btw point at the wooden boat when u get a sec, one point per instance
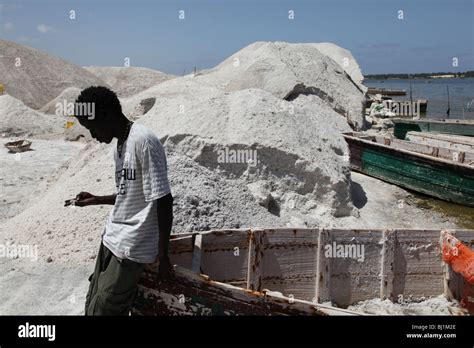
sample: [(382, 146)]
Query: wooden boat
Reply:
[(433, 170), (294, 271), (18, 146), (384, 91), (454, 142), (455, 127)]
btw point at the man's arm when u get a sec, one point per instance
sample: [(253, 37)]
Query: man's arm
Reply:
[(165, 221), (85, 198), (110, 199)]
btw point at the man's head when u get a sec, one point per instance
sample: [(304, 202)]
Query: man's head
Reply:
[(107, 119)]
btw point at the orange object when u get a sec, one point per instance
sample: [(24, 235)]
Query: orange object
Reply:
[(459, 256), (461, 259)]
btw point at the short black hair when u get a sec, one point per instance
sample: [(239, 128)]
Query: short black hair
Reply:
[(106, 103)]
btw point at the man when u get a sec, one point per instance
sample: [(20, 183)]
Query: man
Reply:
[(139, 225)]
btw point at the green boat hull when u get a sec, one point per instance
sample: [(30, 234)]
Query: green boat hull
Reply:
[(435, 178), (402, 127)]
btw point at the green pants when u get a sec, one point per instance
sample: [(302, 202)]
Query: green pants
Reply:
[(113, 285)]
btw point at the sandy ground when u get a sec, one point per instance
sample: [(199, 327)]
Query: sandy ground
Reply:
[(24, 176), (383, 205), (34, 288)]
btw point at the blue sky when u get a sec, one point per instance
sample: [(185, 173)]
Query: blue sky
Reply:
[(151, 34)]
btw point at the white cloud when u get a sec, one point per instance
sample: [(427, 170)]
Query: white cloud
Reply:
[(43, 28), (8, 26)]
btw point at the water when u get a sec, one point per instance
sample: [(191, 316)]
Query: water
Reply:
[(461, 94)]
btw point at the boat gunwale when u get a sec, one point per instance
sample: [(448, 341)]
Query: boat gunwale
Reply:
[(434, 120), (441, 161)]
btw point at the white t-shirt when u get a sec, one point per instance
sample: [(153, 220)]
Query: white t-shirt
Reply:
[(141, 178)]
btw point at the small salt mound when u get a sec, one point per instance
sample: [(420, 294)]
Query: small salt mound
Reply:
[(127, 81), (17, 119), (35, 77)]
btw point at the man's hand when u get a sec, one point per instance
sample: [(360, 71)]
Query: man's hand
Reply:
[(82, 199), (164, 269)]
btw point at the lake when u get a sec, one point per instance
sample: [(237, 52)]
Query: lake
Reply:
[(461, 94)]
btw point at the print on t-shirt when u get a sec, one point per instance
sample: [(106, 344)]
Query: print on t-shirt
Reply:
[(126, 173)]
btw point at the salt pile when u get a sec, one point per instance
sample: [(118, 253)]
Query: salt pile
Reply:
[(288, 70), (299, 167), (17, 119), (345, 59), (69, 95), (35, 77), (127, 81)]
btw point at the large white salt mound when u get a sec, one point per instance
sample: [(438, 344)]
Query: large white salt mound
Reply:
[(288, 70), (127, 81), (345, 59), (17, 119), (35, 77), (299, 143)]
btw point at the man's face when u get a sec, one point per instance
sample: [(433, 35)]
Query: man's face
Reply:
[(99, 131)]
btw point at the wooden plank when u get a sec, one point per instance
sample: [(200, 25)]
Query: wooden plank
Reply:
[(225, 256), (290, 259), (355, 265), (192, 294), (418, 268), (387, 273), (447, 153), (197, 252), (455, 127), (457, 143), (255, 260), (323, 268)]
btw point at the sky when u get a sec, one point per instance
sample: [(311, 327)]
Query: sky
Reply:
[(425, 37)]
